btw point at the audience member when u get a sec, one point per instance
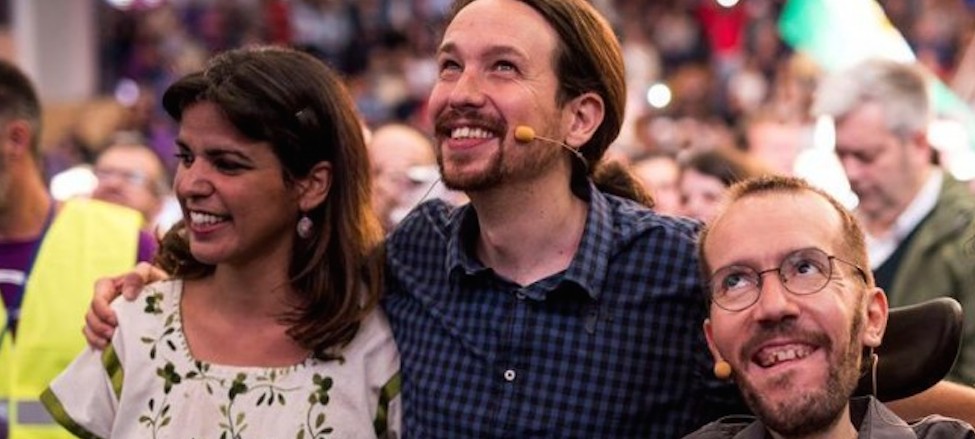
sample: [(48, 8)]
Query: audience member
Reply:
[(132, 174), (794, 341), (49, 255), (660, 175), (775, 140), (917, 218), (706, 175), (531, 311), (403, 168), (547, 306), (267, 326)]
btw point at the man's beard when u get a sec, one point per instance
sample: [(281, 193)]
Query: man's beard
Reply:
[(489, 177), (534, 160), (498, 170), (811, 410)]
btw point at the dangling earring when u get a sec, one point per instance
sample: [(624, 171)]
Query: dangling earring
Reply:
[(304, 226), (722, 370)]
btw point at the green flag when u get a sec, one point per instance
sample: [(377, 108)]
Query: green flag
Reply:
[(840, 33)]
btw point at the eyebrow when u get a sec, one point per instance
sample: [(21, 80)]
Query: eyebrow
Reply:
[(743, 263), (217, 151), (495, 51)]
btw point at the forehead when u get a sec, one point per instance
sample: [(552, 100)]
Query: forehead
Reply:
[(763, 227), (140, 157), (658, 165), (771, 134), (692, 178), (862, 128), (206, 119), (398, 142), (500, 25)]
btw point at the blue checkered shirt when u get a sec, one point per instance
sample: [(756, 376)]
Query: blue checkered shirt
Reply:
[(612, 347)]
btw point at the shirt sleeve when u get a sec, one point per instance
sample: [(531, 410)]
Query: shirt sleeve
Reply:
[(382, 358), (81, 399)]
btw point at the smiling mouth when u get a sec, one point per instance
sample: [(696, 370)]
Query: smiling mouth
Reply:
[(775, 355), (468, 132), (205, 219)]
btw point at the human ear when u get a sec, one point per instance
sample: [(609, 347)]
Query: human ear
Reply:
[(17, 138), (586, 113), (709, 336), (313, 189), (875, 317), (722, 369)]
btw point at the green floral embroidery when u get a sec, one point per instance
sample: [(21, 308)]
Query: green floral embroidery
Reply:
[(155, 421), (317, 401), (259, 391), (201, 373), (153, 300), (169, 326), (233, 425)]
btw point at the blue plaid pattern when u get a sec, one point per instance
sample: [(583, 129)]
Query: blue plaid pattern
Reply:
[(610, 348)]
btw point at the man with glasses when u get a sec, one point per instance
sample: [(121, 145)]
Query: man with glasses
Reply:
[(791, 313), (131, 174), (917, 218)]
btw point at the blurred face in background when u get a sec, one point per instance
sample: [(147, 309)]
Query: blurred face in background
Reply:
[(701, 194), (403, 167), (132, 176), (885, 170), (661, 176), (776, 144)]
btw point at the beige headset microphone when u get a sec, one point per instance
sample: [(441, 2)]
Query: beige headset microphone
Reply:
[(525, 134)]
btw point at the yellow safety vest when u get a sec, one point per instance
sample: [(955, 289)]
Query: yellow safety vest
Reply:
[(87, 240)]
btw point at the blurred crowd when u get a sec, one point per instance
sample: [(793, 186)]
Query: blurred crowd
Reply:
[(702, 74), (715, 97)]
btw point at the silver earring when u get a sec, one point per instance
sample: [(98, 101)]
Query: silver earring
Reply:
[(304, 226)]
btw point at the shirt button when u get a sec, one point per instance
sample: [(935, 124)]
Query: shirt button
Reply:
[(509, 375), (520, 295)]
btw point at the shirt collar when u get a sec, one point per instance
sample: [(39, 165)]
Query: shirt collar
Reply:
[(920, 206), (588, 266), (923, 203), (464, 229)]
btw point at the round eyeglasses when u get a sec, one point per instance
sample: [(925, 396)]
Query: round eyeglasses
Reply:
[(802, 272)]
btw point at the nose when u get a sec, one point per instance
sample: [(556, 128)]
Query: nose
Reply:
[(774, 301), (192, 181), (467, 90)]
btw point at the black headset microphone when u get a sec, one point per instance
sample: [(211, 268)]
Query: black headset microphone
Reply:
[(525, 134)]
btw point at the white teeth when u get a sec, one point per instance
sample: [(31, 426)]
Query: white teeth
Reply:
[(772, 356), (199, 218), (469, 133)]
